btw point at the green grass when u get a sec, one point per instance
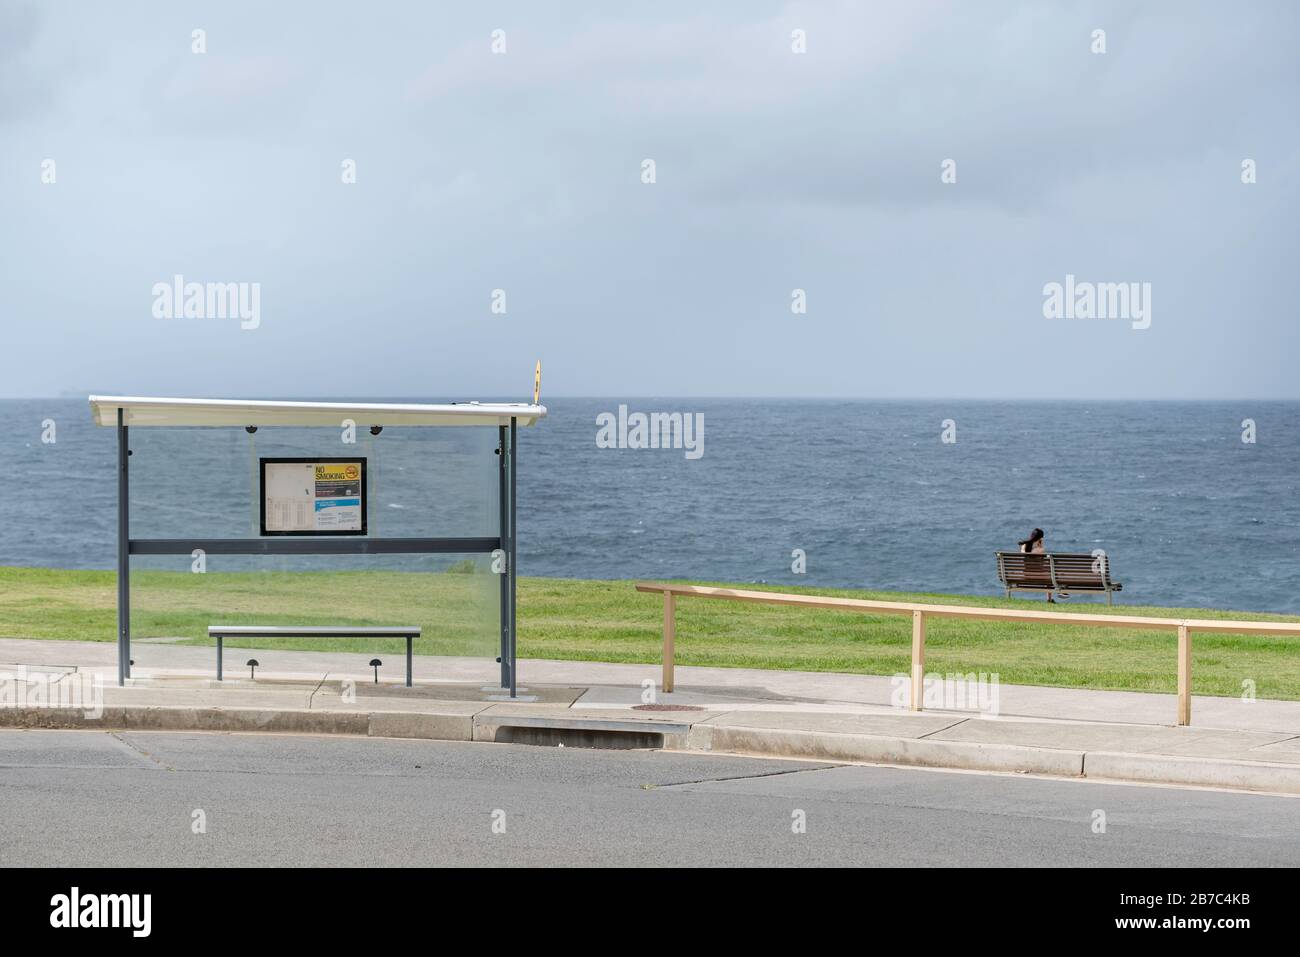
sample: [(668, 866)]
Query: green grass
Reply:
[(610, 621)]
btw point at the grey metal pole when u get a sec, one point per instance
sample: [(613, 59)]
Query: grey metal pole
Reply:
[(505, 584), (514, 529), (409, 639), (123, 555)]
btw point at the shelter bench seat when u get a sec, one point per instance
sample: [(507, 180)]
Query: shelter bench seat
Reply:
[(1056, 571), (221, 632)]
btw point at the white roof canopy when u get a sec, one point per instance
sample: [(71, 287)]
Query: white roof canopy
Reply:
[(138, 411)]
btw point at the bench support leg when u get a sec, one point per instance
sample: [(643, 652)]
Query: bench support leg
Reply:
[(218, 657), (670, 636), (1184, 676), (409, 638), (918, 660)]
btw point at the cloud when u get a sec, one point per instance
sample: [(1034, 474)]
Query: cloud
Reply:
[(209, 94), (24, 86), (776, 170), (883, 95)]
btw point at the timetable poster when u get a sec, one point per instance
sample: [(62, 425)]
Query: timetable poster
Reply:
[(314, 496)]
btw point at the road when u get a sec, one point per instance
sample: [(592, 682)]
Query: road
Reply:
[(71, 798)]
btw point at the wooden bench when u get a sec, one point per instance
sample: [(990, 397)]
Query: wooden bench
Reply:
[(221, 632), (1056, 571)]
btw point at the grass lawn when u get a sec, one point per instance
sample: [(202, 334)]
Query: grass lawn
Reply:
[(610, 621)]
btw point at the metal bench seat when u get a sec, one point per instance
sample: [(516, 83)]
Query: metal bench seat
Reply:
[(221, 632)]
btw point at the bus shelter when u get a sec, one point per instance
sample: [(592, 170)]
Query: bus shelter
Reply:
[(320, 503)]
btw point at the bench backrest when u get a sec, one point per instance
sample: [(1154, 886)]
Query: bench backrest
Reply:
[(1081, 571), (1054, 569), (1025, 568)]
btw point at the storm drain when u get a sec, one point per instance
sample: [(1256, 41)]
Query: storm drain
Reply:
[(608, 739)]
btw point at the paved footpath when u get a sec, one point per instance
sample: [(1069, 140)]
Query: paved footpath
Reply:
[(1100, 735)]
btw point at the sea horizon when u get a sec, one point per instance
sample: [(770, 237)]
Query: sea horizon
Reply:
[(870, 491), (633, 397)]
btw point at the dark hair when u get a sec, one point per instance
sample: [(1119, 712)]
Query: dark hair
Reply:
[(1034, 536)]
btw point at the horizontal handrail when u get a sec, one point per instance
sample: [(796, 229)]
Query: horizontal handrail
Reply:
[(920, 611), (976, 611)]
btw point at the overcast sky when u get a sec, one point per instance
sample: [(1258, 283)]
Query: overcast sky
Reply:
[(775, 171)]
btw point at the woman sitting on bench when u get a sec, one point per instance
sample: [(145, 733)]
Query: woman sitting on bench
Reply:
[(1033, 545)]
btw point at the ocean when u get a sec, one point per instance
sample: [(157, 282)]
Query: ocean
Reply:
[(869, 491)]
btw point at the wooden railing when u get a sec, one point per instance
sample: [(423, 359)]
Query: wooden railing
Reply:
[(921, 612)]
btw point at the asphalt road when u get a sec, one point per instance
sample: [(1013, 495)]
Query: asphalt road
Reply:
[(71, 798)]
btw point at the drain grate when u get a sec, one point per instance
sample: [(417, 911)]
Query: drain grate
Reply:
[(607, 739), (667, 707)]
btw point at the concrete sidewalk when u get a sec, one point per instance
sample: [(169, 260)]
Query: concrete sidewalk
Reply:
[(1064, 732)]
